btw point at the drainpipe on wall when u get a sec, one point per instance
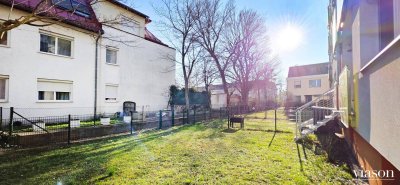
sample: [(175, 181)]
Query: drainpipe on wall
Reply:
[(95, 75)]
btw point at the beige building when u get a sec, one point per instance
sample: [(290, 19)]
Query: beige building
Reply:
[(305, 83)]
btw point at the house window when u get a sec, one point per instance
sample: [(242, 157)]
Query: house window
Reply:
[(3, 88), (54, 90), (111, 92), (386, 23), (55, 45), (297, 84), (4, 39), (315, 83), (77, 7), (111, 56)]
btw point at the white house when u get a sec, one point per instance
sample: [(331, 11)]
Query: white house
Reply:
[(51, 70)]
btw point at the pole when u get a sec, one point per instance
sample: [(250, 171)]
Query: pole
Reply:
[(194, 115), (275, 119), (131, 122), (160, 120), (69, 128), (10, 126), (1, 118), (188, 115), (173, 115)]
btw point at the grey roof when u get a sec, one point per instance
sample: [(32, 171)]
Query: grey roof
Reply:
[(307, 70)]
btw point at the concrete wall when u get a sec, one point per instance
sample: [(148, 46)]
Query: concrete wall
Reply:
[(384, 96), (305, 88)]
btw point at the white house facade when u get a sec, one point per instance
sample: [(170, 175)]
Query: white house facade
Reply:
[(58, 66)]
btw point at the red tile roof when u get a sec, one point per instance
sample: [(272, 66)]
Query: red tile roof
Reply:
[(88, 23), (307, 70), (150, 37)]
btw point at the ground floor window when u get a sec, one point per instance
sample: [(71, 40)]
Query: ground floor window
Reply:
[(3, 88), (54, 90), (111, 92)]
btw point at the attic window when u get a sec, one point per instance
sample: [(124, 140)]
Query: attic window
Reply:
[(75, 6)]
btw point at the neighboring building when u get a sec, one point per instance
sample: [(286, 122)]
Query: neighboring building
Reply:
[(364, 51), (261, 94), (305, 83), (44, 68)]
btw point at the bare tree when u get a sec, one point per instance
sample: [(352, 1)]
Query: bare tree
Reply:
[(178, 21), (210, 25), (250, 61)]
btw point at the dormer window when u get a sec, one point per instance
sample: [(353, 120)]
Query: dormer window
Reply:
[(77, 7)]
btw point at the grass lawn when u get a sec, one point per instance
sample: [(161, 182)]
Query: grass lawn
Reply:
[(190, 154)]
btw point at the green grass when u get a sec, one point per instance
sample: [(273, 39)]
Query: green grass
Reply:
[(192, 154)]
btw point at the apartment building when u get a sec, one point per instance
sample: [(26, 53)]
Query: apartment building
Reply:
[(82, 62), (364, 51), (307, 82)]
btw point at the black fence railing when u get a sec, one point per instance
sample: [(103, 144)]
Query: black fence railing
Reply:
[(28, 127)]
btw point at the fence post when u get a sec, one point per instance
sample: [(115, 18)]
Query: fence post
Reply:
[(275, 119), (173, 115), (131, 122), (188, 115), (194, 115), (183, 117), (160, 120), (10, 126), (1, 118), (220, 112), (69, 128)]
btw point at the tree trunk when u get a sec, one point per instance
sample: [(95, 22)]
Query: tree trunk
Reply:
[(245, 97), (187, 93)]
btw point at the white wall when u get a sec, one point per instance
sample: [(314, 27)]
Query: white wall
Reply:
[(24, 64), (144, 69), (143, 73)]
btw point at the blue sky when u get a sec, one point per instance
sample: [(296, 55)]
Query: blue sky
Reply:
[(307, 20)]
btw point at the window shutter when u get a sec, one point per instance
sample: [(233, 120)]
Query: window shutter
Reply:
[(111, 91), (57, 86)]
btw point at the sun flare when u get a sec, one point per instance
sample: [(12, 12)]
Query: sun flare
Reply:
[(289, 38)]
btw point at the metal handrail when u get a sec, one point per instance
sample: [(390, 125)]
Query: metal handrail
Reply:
[(315, 100)]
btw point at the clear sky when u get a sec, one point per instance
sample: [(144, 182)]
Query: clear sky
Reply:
[(297, 28)]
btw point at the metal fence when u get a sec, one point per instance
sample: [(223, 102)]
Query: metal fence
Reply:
[(35, 127), (27, 127)]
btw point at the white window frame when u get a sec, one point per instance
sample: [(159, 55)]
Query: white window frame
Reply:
[(57, 36), (116, 55), (295, 86), (315, 84), (55, 92), (7, 79), (105, 93)]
